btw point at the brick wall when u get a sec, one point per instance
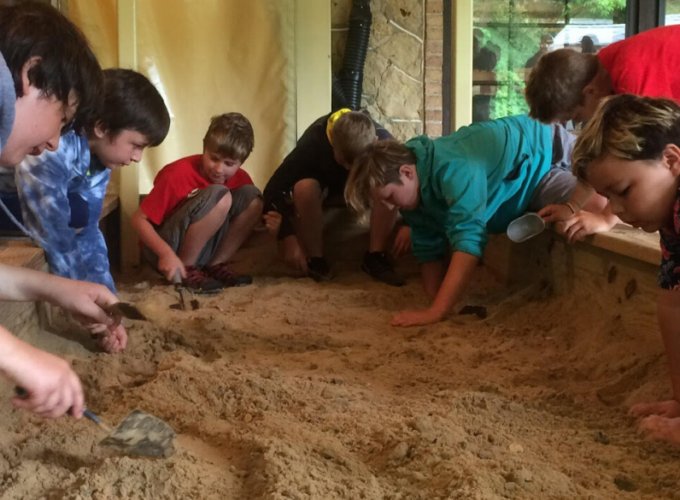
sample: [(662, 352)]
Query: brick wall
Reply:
[(434, 60)]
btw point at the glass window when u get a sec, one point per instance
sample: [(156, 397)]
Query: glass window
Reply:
[(672, 12), (511, 35)]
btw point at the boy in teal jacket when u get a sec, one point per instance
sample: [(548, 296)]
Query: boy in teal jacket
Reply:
[(454, 190)]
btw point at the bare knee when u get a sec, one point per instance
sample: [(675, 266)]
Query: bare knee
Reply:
[(306, 191), (224, 205)]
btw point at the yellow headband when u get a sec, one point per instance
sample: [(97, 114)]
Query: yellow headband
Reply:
[(331, 121)]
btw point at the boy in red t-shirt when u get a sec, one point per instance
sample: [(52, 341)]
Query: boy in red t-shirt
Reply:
[(568, 85), (202, 208)]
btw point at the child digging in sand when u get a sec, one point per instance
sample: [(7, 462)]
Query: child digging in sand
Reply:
[(454, 190), (202, 208), (630, 153)]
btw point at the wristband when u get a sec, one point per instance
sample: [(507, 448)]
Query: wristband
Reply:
[(571, 206)]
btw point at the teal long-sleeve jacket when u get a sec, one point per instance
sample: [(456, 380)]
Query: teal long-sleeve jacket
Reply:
[(474, 182)]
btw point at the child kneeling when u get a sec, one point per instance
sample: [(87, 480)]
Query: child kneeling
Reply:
[(630, 153), (202, 208), (458, 188)]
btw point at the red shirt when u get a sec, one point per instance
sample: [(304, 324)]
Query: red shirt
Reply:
[(176, 181), (647, 64)]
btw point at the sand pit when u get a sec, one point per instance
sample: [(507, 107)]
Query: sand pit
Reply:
[(289, 389)]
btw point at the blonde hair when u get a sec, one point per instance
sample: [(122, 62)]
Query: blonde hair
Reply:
[(231, 136), (351, 134), (556, 83), (627, 127), (378, 166)]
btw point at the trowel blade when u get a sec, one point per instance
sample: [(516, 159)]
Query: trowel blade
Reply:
[(142, 435)]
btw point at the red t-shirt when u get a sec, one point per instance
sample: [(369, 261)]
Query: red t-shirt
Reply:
[(176, 181), (647, 64)]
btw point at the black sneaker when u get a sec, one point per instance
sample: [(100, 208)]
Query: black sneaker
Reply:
[(318, 269), (379, 267)]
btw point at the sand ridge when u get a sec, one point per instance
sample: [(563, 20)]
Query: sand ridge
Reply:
[(289, 389)]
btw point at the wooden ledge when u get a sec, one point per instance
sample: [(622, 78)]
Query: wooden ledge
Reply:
[(111, 202), (628, 241), (22, 254)]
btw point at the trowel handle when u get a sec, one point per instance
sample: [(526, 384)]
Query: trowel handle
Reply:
[(177, 278), (87, 413)]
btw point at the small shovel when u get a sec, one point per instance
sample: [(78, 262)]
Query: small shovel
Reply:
[(179, 288), (121, 310), (139, 434)]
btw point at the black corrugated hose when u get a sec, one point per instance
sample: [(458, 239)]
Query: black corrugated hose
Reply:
[(352, 74)]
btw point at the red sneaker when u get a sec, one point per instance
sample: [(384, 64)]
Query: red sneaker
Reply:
[(199, 282), (228, 278)]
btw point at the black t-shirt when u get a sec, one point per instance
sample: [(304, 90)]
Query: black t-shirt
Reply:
[(312, 158)]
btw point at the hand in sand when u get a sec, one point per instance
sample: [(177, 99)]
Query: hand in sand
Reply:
[(52, 386), (402, 243), (272, 221), (668, 409), (112, 339), (169, 264), (293, 254), (661, 428), (415, 318)]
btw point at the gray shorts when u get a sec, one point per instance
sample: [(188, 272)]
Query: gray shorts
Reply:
[(558, 185), (174, 228)]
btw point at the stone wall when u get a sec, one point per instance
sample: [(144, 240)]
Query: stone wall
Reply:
[(393, 89)]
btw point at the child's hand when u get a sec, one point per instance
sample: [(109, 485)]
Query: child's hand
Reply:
[(293, 254), (84, 300), (582, 224), (113, 339), (415, 318), (116, 340), (272, 221), (169, 264), (556, 213), (402, 243), (52, 386)]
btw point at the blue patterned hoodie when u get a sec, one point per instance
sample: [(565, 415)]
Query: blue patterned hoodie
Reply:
[(44, 183)]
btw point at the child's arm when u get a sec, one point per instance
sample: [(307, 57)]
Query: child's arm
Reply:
[(52, 386), (433, 274), (168, 262), (85, 300), (668, 311), (457, 279), (557, 213)]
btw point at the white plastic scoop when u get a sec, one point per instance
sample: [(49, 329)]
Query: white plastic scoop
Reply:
[(525, 227)]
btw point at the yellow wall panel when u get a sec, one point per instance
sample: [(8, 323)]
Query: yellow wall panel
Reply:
[(97, 19), (209, 57)]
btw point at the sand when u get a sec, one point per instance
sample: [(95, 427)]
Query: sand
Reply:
[(289, 389)]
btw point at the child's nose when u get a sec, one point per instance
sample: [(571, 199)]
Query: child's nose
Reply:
[(388, 205)]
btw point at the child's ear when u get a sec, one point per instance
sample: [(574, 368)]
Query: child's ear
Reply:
[(99, 130), (671, 158), (25, 82), (407, 171)]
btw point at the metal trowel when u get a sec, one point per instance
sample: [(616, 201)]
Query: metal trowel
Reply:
[(121, 310), (139, 434)]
